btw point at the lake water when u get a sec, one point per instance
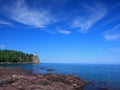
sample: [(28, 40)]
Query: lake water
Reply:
[(101, 75)]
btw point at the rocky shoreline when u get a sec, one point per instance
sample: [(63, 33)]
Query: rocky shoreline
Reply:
[(21, 79)]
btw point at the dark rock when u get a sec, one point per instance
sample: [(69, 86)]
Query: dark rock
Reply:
[(92, 84), (50, 69), (104, 88), (42, 68)]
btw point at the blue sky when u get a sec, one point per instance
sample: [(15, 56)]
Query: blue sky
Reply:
[(62, 31)]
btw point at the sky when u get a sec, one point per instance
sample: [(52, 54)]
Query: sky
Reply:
[(62, 31)]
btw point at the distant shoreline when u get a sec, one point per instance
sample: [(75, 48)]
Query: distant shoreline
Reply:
[(16, 63), (13, 57)]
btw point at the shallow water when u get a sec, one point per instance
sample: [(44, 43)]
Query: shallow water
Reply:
[(101, 75)]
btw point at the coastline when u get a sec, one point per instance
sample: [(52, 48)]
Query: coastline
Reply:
[(17, 79), (100, 80), (16, 63)]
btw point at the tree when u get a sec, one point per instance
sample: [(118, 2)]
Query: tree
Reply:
[(13, 56)]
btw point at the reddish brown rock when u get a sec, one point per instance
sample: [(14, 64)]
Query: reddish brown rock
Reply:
[(20, 79)]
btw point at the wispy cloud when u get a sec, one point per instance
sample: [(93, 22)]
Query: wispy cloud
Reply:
[(115, 17), (5, 23), (21, 13), (110, 21), (85, 22), (84, 16), (2, 46), (113, 34), (64, 31)]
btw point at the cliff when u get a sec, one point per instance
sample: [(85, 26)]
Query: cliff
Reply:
[(35, 59)]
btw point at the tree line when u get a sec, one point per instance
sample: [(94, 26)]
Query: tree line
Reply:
[(12, 56)]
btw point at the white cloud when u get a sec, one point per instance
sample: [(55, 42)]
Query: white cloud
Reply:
[(2, 46), (42, 16), (5, 23), (113, 34), (64, 31), (85, 22), (21, 13)]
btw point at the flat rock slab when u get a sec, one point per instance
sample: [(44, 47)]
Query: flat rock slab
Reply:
[(21, 79)]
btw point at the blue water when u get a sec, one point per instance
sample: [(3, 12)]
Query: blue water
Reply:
[(101, 75)]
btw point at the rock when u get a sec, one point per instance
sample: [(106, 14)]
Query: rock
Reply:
[(14, 79), (35, 59), (104, 88), (39, 75), (50, 69), (70, 80), (42, 67)]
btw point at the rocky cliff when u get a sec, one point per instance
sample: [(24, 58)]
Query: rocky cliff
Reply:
[(35, 59)]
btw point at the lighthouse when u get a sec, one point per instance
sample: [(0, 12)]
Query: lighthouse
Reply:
[(36, 58)]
